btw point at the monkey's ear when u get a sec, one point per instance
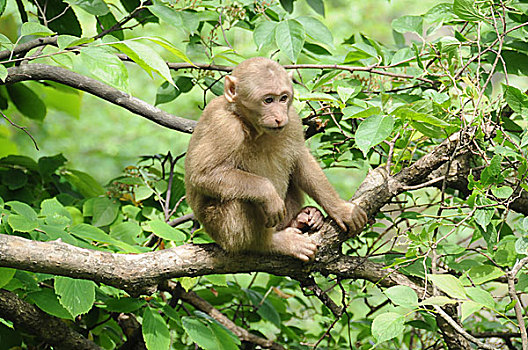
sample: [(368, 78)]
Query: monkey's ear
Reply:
[(230, 88)]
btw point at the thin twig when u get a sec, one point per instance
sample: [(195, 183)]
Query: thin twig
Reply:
[(461, 330), (517, 307), (23, 128)]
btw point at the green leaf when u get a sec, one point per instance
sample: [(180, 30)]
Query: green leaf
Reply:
[(359, 112), (180, 19), (48, 165), (316, 30), (84, 183), (264, 308), (287, 5), (226, 339), (34, 28), (317, 6), (264, 34), (26, 101), (449, 44), (481, 296), (77, 296), (47, 301), (217, 280), (3, 73), (146, 58), (14, 179), (449, 285), (126, 232), (23, 209), (465, 10), (521, 245), (105, 211), (387, 326), (406, 24), (502, 192), (493, 173), (155, 330), (65, 41), (21, 224), (408, 113), (199, 333), (438, 300), (91, 233), (55, 213), (124, 304), (373, 131), (93, 7), (516, 99), (402, 295), (163, 230), (3, 4), (289, 37), (105, 66), (171, 48), (468, 308), (484, 273), (483, 217), (6, 274)]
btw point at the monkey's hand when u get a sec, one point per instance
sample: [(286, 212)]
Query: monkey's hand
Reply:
[(350, 217), (275, 210)]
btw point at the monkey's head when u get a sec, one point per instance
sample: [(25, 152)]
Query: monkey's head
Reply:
[(261, 91)]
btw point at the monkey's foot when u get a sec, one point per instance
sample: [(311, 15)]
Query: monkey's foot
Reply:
[(308, 219), (292, 242)]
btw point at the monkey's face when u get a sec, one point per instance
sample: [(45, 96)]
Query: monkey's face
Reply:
[(266, 104), (262, 92), (273, 111)]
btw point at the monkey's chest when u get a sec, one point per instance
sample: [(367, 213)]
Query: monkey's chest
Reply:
[(275, 167)]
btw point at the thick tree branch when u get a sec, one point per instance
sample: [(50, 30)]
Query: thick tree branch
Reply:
[(34, 321), (99, 89), (27, 46)]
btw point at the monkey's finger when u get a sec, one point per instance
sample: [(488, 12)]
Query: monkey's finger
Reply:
[(302, 257), (341, 224), (361, 213)]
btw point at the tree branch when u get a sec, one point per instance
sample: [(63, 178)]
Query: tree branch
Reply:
[(25, 47), (48, 328), (99, 89), (192, 298)]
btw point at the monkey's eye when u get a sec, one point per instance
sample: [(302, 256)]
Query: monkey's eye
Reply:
[(268, 100), (284, 98)]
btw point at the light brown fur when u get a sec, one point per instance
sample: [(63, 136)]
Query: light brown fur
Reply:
[(247, 168)]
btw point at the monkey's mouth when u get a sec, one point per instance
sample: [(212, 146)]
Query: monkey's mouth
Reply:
[(275, 128)]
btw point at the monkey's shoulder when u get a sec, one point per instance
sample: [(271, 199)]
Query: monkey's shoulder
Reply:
[(218, 128)]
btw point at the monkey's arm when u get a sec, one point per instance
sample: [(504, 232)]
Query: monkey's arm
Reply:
[(311, 179), (230, 183)]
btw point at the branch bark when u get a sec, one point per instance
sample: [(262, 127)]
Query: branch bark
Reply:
[(99, 89)]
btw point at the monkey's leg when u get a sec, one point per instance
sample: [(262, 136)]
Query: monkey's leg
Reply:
[(292, 242), (236, 225), (309, 219)]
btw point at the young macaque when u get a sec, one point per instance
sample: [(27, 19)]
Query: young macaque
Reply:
[(247, 167)]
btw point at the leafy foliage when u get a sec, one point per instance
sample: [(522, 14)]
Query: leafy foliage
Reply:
[(463, 231)]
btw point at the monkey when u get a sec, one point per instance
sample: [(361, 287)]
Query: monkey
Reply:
[(247, 168)]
